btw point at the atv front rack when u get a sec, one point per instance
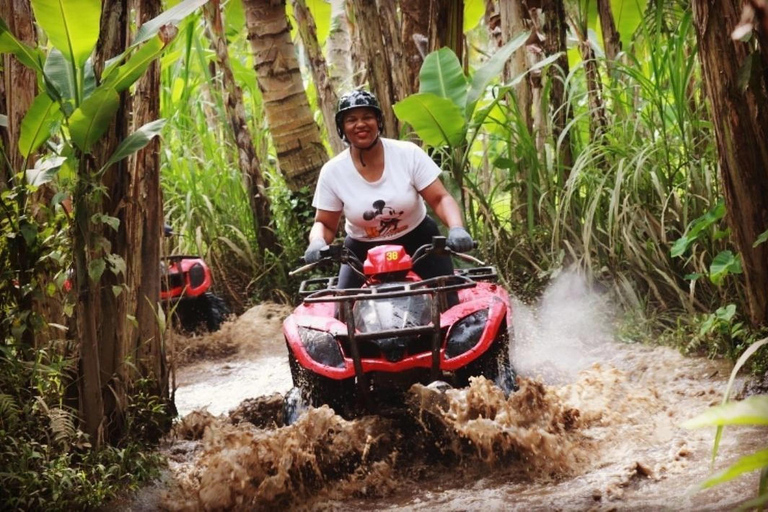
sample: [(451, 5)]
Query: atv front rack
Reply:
[(439, 286)]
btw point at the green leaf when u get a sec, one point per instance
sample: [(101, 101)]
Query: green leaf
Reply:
[(96, 269), (60, 75), (27, 55), (492, 69), (29, 232), (750, 411), (726, 313), (746, 464), (172, 16), (89, 122), (39, 122), (72, 26), (135, 141), (442, 75), (437, 121), (234, 18), (321, 13), (725, 263), (116, 263), (761, 239), (680, 246), (124, 76), (3, 121), (473, 13), (628, 15), (726, 396), (44, 171)]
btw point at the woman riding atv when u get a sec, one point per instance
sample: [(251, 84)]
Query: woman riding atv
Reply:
[(380, 185)]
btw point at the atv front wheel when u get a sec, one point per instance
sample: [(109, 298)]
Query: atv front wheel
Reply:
[(494, 364), (317, 390)]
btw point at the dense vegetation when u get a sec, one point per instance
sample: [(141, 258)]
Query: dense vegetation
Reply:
[(628, 192)]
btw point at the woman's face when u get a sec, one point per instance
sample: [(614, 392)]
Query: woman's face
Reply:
[(361, 126)]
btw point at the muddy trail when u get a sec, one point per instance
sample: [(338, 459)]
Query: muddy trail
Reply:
[(595, 425)]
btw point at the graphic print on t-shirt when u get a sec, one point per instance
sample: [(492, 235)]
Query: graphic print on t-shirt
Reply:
[(389, 220)]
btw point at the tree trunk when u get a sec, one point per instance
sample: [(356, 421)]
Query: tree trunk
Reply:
[(144, 228), (446, 26), (740, 118), (300, 151), (513, 23), (390, 31), (326, 95), (339, 44), (255, 184), (101, 314), (414, 28), (19, 82), (554, 29), (594, 90), (493, 22), (611, 37), (357, 52), (379, 71)]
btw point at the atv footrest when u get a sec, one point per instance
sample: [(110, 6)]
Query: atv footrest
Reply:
[(310, 286), (479, 273)]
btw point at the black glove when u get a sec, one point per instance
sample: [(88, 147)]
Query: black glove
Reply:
[(312, 254), (459, 240)]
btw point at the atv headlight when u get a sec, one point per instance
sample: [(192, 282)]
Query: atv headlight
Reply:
[(466, 333), (322, 347)]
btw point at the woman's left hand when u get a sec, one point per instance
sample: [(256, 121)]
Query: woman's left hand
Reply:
[(459, 240)]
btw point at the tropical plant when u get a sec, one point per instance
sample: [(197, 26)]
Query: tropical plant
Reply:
[(750, 411)]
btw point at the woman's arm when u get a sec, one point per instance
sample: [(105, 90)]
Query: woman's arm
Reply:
[(443, 204), (325, 226)]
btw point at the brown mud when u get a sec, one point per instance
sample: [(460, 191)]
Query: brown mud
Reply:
[(595, 425)]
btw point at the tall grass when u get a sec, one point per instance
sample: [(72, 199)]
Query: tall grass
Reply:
[(205, 196), (632, 191)]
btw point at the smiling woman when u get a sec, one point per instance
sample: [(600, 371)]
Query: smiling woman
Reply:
[(381, 186)]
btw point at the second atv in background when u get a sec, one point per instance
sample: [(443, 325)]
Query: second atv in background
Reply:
[(186, 282)]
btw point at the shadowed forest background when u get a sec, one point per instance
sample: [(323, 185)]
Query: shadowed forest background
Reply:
[(624, 139)]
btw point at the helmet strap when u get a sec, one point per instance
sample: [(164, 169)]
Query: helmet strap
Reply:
[(362, 150)]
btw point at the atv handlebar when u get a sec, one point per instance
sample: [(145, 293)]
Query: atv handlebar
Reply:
[(338, 253)]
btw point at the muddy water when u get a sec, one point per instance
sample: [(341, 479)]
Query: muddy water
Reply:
[(594, 426)]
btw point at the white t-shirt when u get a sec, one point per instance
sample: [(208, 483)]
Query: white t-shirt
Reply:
[(384, 209)]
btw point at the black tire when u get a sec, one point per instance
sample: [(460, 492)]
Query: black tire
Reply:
[(494, 365), (207, 309), (216, 311), (317, 390)]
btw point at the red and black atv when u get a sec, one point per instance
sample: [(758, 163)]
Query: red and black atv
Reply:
[(362, 348), (186, 282)]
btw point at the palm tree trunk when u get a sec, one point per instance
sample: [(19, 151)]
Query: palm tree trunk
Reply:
[(255, 184), (296, 137), (339, 45), (326, 95), (740, 119)]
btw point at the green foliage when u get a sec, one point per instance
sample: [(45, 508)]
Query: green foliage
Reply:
[(46, 460), (751, 411)]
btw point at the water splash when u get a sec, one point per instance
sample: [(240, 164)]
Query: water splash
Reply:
[(566, 332)]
